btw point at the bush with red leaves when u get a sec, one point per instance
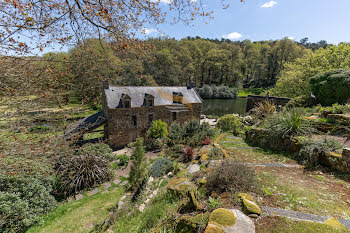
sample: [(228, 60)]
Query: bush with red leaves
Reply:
[(189, 154), (206, 141)]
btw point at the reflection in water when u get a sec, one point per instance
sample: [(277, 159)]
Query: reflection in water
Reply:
[(220, 107)]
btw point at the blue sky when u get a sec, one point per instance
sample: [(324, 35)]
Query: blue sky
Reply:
[(264, 20), (260, 20)]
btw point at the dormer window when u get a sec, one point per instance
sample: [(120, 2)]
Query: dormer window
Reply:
[(177, 97), (126, 101), (126, 104), (149, 100)]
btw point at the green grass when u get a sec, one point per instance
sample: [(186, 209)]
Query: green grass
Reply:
[(79, 216), (159, 208), (291, 193), (285, 225), (244, 92)]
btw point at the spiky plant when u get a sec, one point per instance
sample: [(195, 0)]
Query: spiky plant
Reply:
[(78, 172), (287, 124), (264, 109)]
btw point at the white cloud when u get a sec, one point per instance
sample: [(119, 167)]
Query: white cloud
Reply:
[(232, 36), (269, 4), (148, 31), (290, 37)]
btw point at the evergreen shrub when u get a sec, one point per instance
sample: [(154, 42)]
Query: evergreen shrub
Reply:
[(161, 167)]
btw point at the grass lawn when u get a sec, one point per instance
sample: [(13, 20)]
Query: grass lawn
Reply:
[(158, 209), (81, 215), (244, 92), (294, 188)]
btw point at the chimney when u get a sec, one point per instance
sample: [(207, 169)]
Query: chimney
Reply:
[(191, 84)]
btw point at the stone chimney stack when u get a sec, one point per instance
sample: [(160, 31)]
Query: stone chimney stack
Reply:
[(191, 84)]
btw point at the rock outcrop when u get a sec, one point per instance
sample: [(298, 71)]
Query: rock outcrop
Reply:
[(229, 221)]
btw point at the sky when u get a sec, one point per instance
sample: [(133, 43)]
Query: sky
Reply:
[(257, 20), (266, 20)]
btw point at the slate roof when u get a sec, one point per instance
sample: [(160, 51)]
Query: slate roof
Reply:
[(86, 124), (162, 95)]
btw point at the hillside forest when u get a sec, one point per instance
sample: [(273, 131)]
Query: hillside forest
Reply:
[(283, 66)]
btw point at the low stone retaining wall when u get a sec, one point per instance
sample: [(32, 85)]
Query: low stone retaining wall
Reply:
[(253, 100), (339, 162), (257, 137)]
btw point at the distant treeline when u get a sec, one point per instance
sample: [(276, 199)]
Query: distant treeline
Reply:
[(156, 61)]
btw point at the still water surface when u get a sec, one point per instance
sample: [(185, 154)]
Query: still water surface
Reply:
[(220, 107)]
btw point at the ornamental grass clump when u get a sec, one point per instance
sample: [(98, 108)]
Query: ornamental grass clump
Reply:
[(287, 124), (231, 177), (78, 172), (265, 109)]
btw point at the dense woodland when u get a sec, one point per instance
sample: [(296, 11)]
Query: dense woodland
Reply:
[(164, 61)]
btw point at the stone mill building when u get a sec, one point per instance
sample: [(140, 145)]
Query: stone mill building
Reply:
[(131, 110)]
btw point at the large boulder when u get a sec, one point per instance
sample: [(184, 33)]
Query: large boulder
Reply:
[(193, 168), (229, 221)]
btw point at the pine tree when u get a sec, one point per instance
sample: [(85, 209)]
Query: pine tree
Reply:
[(138, 169)]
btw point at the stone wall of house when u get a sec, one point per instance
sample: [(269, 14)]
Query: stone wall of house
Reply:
[(253, 100), (120, 130), (339, 162)]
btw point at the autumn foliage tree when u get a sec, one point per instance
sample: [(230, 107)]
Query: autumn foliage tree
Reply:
[(28, 24)]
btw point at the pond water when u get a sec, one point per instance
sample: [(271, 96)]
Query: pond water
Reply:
[(220, 107)]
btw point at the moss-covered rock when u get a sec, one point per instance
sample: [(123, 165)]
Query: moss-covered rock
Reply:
[(204, 157), (222, 217), (250, 207), (187, 191), (229, 221), (203, 180), (194, 201), (245, 196), (211, 228), (335, 223), (334, 155), (191, 224)]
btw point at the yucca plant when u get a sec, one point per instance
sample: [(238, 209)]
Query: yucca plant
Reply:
[(287, 124), (78, 172)]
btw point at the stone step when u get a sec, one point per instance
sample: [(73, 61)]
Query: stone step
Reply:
[(274, 165), (270, 211)]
